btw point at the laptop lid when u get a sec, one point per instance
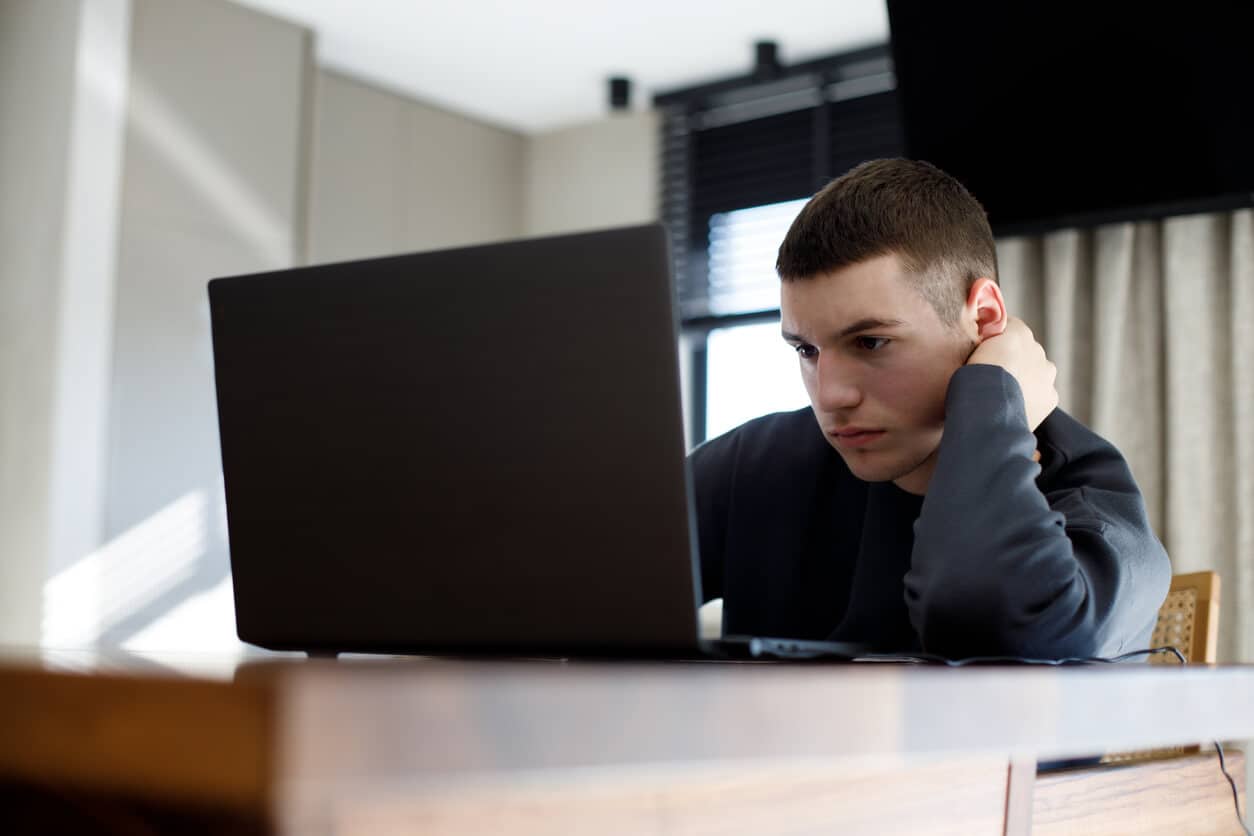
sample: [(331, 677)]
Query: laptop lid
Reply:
[(477, 449)]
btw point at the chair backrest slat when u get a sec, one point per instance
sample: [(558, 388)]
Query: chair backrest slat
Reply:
[(1189, 619)]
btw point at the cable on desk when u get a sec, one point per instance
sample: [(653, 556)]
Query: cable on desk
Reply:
[(1019, 660), (1236, 796)]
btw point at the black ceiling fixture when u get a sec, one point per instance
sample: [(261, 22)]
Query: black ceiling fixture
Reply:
[(620, 93), (766, 60)]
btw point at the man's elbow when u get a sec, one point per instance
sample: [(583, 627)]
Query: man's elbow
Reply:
[(966, 640), (1057, 627)]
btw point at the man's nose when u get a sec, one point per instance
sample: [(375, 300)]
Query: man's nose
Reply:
[(838, 387)]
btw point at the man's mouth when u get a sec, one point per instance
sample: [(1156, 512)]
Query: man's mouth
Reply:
[(854, 436)]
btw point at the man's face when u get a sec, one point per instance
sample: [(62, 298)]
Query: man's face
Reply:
[(876, 360)]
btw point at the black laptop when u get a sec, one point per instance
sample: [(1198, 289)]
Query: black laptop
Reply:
[(472, 451)]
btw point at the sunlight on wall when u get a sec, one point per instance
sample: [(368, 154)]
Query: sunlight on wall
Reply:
[(85, 600), (265, 230), (195, 625)]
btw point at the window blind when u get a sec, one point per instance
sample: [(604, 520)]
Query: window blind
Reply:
[(763, 145)]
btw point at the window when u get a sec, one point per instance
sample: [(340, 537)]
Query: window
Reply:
[(742, 249), (739, 159), (750, 371)]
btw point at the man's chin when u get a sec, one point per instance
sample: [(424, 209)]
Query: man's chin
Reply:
[(881, 471), (875, 471)]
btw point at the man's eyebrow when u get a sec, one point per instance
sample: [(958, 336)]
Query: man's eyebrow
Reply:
[(868, 324)]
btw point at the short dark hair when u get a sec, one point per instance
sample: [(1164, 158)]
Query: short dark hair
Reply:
[(907, 207)]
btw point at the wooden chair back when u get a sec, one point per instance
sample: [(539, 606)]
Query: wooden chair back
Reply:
[(1189, 619)]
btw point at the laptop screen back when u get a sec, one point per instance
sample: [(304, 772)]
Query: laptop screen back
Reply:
[(469, 450)]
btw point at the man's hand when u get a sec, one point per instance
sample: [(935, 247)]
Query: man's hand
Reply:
[(1018, 352)]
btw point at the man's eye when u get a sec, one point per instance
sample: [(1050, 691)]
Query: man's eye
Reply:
[(808, 352), (871, 343)]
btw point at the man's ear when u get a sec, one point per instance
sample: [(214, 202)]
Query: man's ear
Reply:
[(984, 314)]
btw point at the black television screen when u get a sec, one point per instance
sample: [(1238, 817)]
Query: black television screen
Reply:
[(1057, 114)]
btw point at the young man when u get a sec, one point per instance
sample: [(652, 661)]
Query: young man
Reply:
[(932, 498)]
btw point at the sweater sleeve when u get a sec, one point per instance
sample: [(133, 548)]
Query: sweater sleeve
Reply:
[(998, 568)]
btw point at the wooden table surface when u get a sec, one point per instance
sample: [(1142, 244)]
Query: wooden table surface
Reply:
[(287, 734)]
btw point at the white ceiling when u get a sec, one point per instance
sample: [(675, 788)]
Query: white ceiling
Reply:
[(533, 65)]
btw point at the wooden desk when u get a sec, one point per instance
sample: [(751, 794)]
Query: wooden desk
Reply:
[(414, 746)]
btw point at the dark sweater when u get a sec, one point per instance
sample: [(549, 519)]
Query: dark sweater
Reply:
[(1002, 557)]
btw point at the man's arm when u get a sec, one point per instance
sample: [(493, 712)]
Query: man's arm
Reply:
[(997, 569)]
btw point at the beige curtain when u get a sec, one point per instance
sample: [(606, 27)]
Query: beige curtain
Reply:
[(1152, 328)]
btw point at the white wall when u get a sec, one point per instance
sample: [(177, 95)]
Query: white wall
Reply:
[(89, 259), (147, 146), (391, 175), (38, 46), (213, 184), (600, 174)]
